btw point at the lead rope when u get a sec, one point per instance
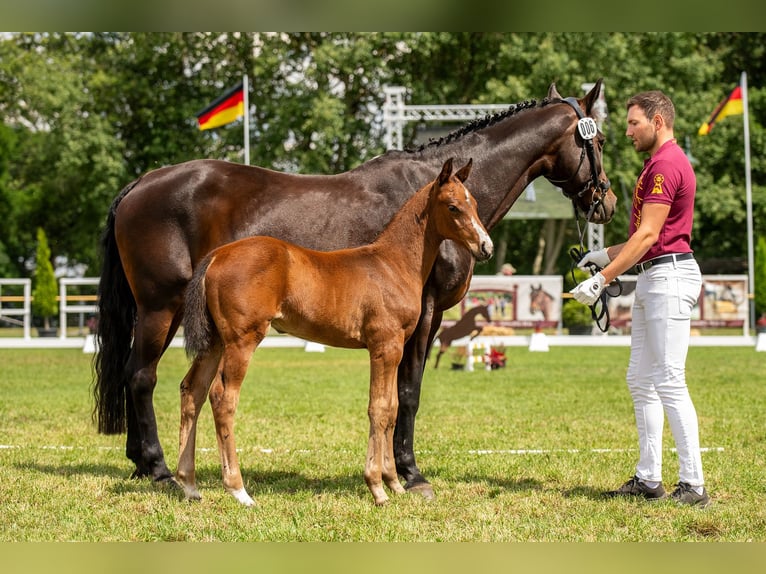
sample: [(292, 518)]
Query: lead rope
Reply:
[(600, 309)]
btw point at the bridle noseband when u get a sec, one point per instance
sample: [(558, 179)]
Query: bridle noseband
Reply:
[(586, 127)]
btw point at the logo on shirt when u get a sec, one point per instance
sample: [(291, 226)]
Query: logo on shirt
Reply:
[(658, 181)]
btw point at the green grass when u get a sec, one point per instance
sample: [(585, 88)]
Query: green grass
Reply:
[(302, 433)]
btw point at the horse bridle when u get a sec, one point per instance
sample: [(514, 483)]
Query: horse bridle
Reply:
[(587, 128)]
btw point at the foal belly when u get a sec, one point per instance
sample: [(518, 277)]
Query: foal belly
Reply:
[(327, 333)]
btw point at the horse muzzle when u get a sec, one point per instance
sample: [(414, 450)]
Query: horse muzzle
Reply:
[(485, 250), (605, 209)]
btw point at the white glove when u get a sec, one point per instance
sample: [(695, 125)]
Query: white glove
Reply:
[(589, 290), (599, 258)]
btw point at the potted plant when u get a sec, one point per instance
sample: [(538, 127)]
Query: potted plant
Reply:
[(44, 303), (575, 316), (760, 285)]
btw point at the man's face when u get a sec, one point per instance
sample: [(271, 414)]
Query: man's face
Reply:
[(641, 130)]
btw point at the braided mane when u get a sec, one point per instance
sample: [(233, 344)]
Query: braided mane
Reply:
[(481, 123)]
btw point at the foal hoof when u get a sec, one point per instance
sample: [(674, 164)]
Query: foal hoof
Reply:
[(424, 489), (170, 486)]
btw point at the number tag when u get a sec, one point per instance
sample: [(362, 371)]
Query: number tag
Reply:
[(587, 128)]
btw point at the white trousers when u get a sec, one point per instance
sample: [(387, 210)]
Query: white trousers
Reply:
[(661, 324)]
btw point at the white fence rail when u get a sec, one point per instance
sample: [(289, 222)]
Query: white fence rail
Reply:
[(76, 303), (12, 309)]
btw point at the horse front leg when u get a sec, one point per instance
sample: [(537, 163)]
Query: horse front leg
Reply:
[(380, 467), (410, 378)]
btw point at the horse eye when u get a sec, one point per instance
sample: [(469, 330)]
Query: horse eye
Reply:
[(453, 209)]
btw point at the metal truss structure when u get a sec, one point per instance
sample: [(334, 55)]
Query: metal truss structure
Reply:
[(396, 114)]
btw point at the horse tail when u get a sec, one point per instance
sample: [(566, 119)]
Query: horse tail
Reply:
[(114, 331), (198, 324)]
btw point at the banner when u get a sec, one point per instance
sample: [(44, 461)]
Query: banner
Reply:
[(515, 301)]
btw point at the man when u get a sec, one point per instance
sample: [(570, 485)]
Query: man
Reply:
[(667, 287)]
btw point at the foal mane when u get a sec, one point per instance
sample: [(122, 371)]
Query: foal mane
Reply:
[(482, 123)]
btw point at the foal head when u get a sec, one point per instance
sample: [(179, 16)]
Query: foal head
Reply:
[(454, 211)]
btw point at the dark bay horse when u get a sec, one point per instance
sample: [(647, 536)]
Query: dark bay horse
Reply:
[(464, 327), (163, 224), (365, 297)]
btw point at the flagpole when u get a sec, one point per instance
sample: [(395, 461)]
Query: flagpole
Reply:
[(749, 205), (247, 118)]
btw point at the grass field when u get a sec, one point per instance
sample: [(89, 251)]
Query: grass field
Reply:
[(519, 454)]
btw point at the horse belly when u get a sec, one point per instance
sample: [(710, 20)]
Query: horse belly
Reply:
[(327, 333)]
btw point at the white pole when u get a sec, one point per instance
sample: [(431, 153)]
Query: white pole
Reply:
[(246, 90), (749, 205)]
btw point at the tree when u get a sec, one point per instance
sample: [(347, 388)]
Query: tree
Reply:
[(44, 290), (760, 277), (84, 114)]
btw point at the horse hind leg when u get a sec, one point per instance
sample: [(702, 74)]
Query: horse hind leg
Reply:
[(442, 349), (153, 334), (223, 400), (194, 389)]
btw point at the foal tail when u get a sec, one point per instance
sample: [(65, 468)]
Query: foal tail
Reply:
[(114, 331), (198, 324)]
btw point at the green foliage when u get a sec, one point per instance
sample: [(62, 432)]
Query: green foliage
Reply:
[(575, 314), (759, 278), (45, 288), (87, 113)]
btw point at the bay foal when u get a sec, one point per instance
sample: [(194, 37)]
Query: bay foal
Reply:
[(366, 297)]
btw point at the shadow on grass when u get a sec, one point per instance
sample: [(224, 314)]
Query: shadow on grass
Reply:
[(74, 469), (494, 484), (585, 492)]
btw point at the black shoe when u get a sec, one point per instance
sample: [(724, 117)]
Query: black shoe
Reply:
[(635, 487), (684, 494)]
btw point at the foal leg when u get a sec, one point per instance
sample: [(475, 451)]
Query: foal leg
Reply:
[(194, 390), (224, 400), (380, 467)]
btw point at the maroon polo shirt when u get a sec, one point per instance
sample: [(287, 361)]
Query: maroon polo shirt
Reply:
[(667, 178)]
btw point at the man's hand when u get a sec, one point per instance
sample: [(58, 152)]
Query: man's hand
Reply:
[(589, 290), (599, 258)]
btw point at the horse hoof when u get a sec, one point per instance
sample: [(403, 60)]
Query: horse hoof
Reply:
[(139, 473), (424, 489), (242, 497)]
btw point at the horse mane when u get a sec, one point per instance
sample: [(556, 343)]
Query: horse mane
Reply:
[(482, 123)]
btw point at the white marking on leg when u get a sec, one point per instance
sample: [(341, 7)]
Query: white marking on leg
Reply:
[(242, 497)]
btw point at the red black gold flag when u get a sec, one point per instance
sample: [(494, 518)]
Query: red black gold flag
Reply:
[(225, 109), (730, 106)]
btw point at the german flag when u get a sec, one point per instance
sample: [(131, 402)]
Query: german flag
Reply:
[(224, 110), (730, 106)]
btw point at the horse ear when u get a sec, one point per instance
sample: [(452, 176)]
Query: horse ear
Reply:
[(463, 172), (553, 93), (445, 173), (592, 96)]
